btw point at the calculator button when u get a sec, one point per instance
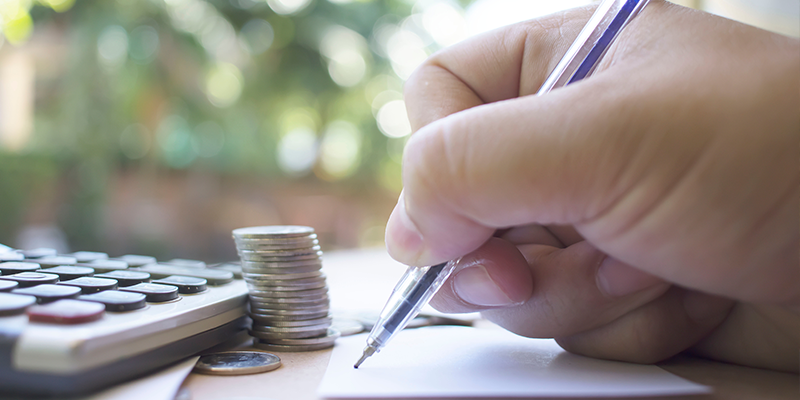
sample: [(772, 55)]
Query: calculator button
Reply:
[(106, 265), (182, 262), (48, 293), (68, 272), (5, 249), (213, 276), (233, 267), (91, 285), (12, 256), (40, 252), (7, 286), (185, 284), (14, 267), (126, 278), (134, 260), (13, 304), (28, 279), (118, 301), (155, 292), (54, 261), (66, 312), (88, 256)]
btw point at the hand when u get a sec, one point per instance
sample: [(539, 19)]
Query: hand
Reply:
[(647, 210)]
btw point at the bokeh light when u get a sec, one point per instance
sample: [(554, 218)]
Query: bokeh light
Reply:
[(393, 119), (256, 36), (285, 7), (297, 151), (223, 84), (143, 44), (112, 46), (340, 148)]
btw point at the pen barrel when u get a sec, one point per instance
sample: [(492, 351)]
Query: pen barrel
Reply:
[(414, 290)]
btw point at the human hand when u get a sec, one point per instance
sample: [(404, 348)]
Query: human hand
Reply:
[(649, 209)]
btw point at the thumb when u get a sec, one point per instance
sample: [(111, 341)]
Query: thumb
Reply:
[(503, 164)]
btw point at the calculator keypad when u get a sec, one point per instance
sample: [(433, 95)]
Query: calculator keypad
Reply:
[(80, 287)]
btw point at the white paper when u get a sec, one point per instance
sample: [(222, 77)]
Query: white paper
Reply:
[(162, 385), (470, 362)]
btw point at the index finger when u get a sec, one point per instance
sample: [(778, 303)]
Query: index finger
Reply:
[(502, 64)]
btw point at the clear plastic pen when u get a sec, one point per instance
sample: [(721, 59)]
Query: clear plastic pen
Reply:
[(419, 284)]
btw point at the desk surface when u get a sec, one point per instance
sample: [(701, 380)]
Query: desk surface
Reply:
[(301, 373)]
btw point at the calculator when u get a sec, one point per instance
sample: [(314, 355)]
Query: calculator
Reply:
[(75, 323)]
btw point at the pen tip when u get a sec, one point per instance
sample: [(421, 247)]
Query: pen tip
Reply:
[(367, 352)]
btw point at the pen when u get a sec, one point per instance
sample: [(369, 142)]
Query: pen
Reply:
[(419, 284)]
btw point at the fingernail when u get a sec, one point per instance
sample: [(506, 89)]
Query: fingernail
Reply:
[(617, 279), (402, 236), (474, 285)]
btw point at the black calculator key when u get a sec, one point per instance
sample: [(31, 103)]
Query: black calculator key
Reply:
[(54, 261), (213, 276), (39, 252), (15, 267), (13, 304), (12, 256), (88, 256), (126, 278), (116, 300), (28, 279), (48, 293), (66, 312), (106, 265), (91, 285), (155, 292), (68, 272), (135, 260), (185, 284), (7, 286)]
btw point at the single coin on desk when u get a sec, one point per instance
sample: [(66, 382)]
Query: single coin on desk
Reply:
[(237, 363)]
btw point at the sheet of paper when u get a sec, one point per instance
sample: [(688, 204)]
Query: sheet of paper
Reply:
[(162, 385), (469, 362)]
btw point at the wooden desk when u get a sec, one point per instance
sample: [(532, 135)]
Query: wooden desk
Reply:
[(374, 273)]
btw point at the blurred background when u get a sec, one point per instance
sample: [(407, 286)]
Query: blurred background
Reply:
[(158, 126)]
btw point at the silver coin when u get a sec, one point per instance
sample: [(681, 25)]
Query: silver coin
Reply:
[(282, 252), (255, 306), (289, 311), (291, 324), (287, 264), (283, 270), (329, 337), (271, 319), (259, 257), (289, 301), (271, 336), (284, 329), (308, 240), (257, 343), (268, 295), (237, 363), (257, 232), (284, 286), (255, 278), (273, 246), (274, 238), (346, 326)]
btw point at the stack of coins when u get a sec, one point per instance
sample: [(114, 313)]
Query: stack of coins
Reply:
[(289, 302)]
